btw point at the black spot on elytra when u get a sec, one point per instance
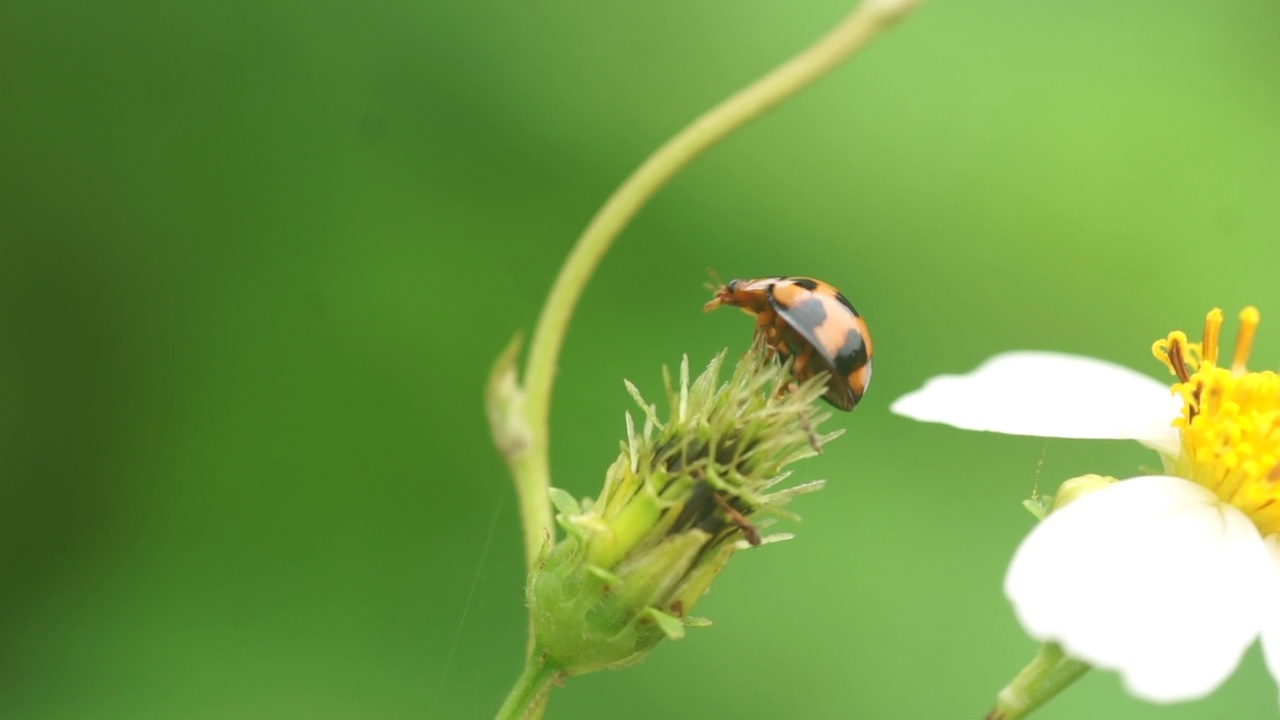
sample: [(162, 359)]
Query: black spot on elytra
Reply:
[(845, 302), (812, 285), (852, 354)]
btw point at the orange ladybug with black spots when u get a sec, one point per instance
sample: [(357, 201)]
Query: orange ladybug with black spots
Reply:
[(810, 321)]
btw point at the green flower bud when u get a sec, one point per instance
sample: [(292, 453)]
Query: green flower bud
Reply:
[(1078, 487), (682, 497), (1070, 491)]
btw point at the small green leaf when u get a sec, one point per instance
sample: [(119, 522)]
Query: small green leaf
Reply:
[(564, 502), (670, 626)]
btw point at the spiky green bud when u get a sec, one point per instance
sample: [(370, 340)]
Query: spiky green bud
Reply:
[(684, 495)]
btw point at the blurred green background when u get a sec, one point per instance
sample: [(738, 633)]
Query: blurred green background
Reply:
[(256, 258)]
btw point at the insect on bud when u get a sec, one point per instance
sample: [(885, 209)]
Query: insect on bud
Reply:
[(683, 496)]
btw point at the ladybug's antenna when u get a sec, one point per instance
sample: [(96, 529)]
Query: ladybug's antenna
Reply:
[(714, 284)]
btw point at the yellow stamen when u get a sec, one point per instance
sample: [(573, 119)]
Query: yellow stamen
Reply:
[(1212, 327), (1249, 319), (1230, 424), (1172, 351)]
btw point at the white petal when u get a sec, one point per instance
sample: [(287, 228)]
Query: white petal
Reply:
[(1152, 577), (1271, 624), (1051, 395)]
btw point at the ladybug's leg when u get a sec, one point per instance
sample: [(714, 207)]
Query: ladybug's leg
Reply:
[(797, 368), (764, 319), (800, 372), (767, 332)]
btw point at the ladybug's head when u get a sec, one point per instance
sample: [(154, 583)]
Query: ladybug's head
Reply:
[(726, 295)]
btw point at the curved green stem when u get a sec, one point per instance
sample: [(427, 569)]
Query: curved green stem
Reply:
[(528, 696), (519, 412), (532, 467), (1047, 675)]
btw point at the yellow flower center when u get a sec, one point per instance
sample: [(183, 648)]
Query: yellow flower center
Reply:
[(1230, 422)]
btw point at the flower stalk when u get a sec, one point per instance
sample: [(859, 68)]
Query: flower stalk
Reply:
[(529, 693), (1051, 672)]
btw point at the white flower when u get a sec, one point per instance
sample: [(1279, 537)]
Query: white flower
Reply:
[(1166, 579)]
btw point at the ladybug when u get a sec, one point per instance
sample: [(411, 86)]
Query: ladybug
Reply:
[(809, 320)]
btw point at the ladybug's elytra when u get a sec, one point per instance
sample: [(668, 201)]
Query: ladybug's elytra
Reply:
[(809, 320)]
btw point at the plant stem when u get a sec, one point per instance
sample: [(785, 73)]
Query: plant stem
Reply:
[(532, 467), (1047, 675), (526, 447), (528, 696)]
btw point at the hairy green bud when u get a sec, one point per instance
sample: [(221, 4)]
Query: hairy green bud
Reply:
[(684, 495)]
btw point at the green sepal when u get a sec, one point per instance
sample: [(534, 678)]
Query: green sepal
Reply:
[(650, 578), (698, 581), (564, 502), (669, 625), (631, 524)]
